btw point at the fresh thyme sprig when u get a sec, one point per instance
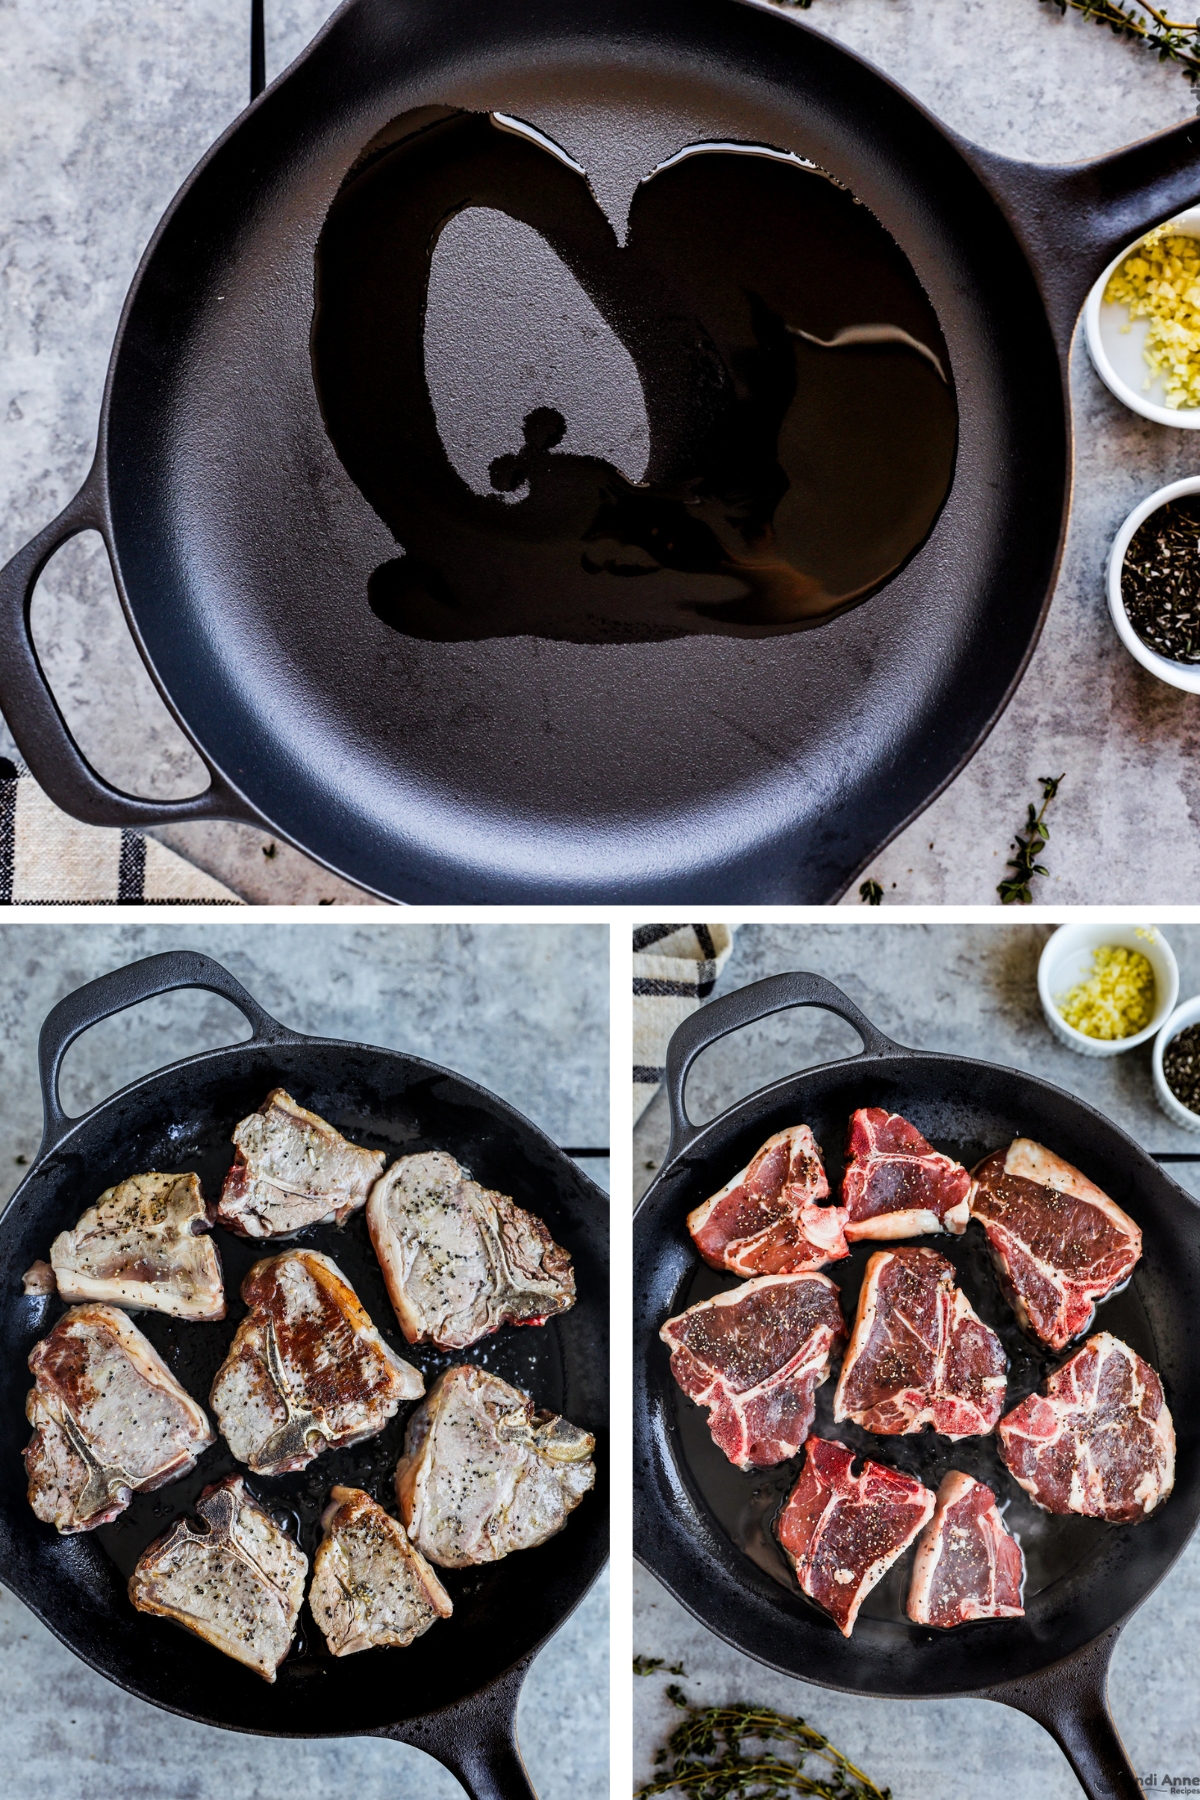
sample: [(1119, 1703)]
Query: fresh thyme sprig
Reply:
[(707, 1756), (1015, 889), (1175, 40), (870, 893), (646, 1665)]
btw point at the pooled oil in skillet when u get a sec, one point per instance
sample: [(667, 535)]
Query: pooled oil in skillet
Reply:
[(747, 1504), (737, 418)]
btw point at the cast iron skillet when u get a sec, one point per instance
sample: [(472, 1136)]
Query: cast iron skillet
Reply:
[(455, 1694), (517, 769), (1085, 1578)]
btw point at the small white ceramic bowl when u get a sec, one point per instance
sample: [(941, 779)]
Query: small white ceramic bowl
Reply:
[(1176, 1111), (1067, 960), (1117, 352), (1175, 674)]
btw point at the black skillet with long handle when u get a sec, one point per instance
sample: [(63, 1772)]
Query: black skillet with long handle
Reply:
[(244, 553), (1085, 1578), (454, 1693)]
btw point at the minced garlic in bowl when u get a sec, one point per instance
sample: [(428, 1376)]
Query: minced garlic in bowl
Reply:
[(1118, 998), (1160, 282)]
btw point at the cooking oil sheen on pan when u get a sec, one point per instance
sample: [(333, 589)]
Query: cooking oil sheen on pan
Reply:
[(731, 413)]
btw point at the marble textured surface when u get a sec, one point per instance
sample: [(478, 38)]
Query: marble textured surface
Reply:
[(522, 1009), (105, 105), (969, 989)]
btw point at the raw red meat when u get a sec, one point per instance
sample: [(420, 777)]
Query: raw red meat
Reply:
[(896, 1185), (766, 1221), (754, 1356), (1058, 1242), (918, 1354), (967, 1566), (842, 1532), (1100, 1441)]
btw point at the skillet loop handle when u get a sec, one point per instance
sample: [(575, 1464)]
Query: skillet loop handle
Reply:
[(122, 988), (476, 1739), (1070, 1699), (719, 1017), (43, 737)]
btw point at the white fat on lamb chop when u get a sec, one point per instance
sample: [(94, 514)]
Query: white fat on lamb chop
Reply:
[(293, 1170), (144, 1243), (370, 1585), (460, 1260), (484, 1473), (108, 1418)]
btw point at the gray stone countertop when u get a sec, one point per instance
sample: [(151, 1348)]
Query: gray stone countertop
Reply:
[(106, 104), (969, 989), (522, 1010)]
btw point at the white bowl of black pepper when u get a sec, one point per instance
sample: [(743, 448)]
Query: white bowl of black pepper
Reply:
[(1176, 1066), (1154, 584)]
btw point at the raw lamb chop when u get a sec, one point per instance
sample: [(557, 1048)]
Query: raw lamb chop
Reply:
[(896, 1185), (967, 1566), (144, 1243), (842, 1532), (483, 1473), (307, 1371), (766, 1221), (1058, 1242), (918, 1354), (754, 1357), (370, 1587), (239, 1584), (108, 1417), (459, 1260), (292, 1170), (1100, 1441)]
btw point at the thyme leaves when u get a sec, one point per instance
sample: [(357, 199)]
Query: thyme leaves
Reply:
[(646, 1665), (726, 1753), (871, 893), (1014, 890)]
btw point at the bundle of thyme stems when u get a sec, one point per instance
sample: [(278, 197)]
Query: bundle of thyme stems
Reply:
[(1173, 40), (723, 1753)]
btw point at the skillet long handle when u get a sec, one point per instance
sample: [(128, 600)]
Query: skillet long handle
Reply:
[(122, 988), (1073, 219), (477, 1739), (1071, 1700), (32, 713), (776, 994)]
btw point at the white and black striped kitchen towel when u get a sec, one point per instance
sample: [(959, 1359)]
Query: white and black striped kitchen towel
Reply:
[(674, 969), (49, 859)]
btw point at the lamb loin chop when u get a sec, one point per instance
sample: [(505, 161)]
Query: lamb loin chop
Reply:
[(918, 1354), (967, 1566), (842, 1532), (459, 1260), (896, 1185), (1059, 1243), (292, 1170), (144, 1244), (766, 1221), (108, 1418), (1100, 1440), (370, 1587), (483, 1473), (238, 1584), (754, 1357), (307, 1371)]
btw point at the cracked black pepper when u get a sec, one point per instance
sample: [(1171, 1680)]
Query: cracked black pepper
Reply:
[(1181, 1067), (1160, 580)]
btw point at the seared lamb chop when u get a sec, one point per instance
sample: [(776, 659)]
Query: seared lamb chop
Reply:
[(754, 1356), (144, 1244), (1099, 1441), (842, 1532), (966, 1566), (918, 1354), (458, 1259), (369, 1585), (238, 1584), (896, 1185), (108, 1417), (292, 1170), (307, 1371), (766, 1221), (1059, 1243), (483, 1473)]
